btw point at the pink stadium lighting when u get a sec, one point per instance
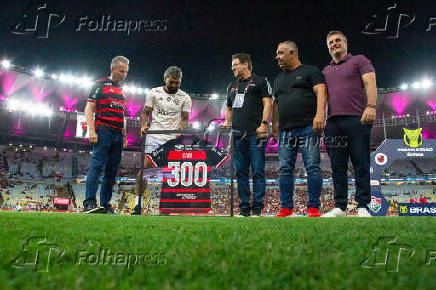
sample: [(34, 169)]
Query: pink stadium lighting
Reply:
[(18, 128), (69, 102), (132, 108), (193, 115), (399, 103), (39, 94), (130, 138), (271, 146), (8, 80), (424, 135), (2, 98), (68, 133), (428, 135), (432, 104)]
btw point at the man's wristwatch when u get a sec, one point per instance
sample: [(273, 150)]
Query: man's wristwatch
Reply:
[(264, 122), (370, 106)]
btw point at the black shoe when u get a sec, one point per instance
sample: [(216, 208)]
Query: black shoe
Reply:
[(256, 212), (109, 210), (93, 208), (243, 212), (136, 210)]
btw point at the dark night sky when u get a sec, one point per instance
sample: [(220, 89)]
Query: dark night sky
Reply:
[(201, 36)]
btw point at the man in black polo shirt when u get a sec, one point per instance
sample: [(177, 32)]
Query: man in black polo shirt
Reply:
[(248, 110), (107, 134), (299, 103)]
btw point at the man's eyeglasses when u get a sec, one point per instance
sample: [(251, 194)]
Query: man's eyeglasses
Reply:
[(235, 65)]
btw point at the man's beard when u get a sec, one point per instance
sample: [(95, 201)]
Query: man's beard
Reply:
[(171, 90)]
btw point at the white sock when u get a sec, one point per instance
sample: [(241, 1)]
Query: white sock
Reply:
[(136, 200)]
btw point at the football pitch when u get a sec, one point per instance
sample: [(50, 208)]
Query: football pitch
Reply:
[(59, 250)]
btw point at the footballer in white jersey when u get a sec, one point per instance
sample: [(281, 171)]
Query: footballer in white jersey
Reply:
[(169, 109)]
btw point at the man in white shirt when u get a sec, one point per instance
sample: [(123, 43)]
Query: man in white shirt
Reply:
[(169, 108)]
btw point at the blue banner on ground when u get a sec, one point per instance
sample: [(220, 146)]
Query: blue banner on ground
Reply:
[(413, 146)]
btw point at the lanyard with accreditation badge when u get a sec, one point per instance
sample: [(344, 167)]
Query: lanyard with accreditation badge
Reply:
[(239, 98)]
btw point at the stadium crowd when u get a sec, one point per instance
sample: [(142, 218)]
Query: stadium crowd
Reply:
[(31, 178), (220, 196)]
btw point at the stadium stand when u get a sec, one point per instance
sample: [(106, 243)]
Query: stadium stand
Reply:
[(32, 176)]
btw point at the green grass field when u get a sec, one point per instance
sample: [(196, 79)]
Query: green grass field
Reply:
[(212, 252)]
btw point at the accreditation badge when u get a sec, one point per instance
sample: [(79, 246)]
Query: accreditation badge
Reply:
[(239, 101)]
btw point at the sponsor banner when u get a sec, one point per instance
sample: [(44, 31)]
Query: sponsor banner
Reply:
[(79, 180), (59, 200), (417, 209), (408, 179), (125, 179), (375, 182)]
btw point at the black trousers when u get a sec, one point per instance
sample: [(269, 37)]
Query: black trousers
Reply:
[(346, 138)]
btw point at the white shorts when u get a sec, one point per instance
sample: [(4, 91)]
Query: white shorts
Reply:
[(152, 143)]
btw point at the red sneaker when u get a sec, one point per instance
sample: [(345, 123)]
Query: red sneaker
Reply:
[(313, 212), (284, 212)]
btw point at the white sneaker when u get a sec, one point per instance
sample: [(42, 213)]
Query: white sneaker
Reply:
[(363, 212), (336, 212), (240, 216)]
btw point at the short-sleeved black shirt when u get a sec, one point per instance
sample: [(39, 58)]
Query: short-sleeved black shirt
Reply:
[(249, 117), (296, 98)]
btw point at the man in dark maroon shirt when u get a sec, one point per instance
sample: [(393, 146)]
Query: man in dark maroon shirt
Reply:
[(352, 98)]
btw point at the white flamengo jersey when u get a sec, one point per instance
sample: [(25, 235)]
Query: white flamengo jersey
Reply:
[(167, 110)]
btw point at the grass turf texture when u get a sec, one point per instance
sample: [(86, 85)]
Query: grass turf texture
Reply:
[(217, 252)]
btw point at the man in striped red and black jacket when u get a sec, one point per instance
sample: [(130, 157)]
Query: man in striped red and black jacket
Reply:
[(107, 134)]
